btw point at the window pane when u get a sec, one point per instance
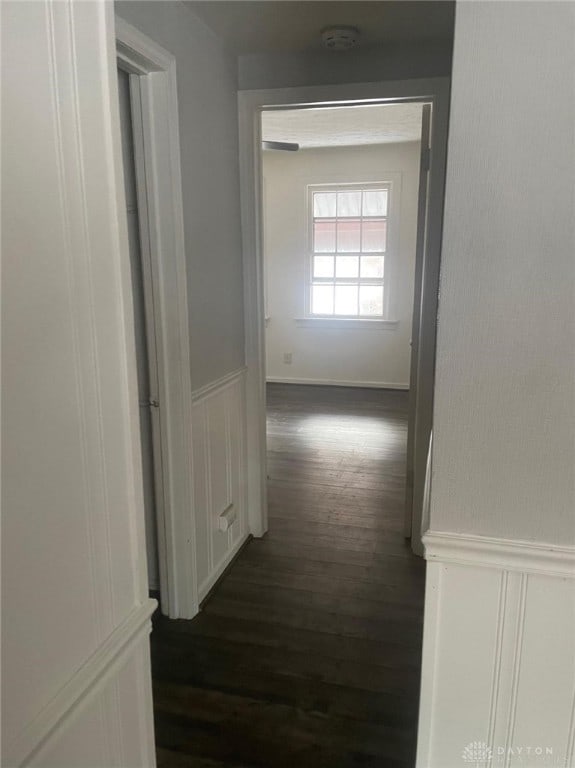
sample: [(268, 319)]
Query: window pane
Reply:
[(323, 266), (371, 300), (374, 233), (346, 299), (324, 236), (324, 205), (348, 204), (375, 202), (372, 266), (347, 266), (348, 235), (322, 299)]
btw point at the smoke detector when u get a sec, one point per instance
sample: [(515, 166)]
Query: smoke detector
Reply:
[(340, 38)]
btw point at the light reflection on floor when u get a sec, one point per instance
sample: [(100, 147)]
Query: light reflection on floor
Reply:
[(374, 435)]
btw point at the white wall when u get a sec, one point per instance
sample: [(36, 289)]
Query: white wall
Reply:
[(390, 62), (207, 85), (504, 420), (498, 661), (76, 688), (360, 356)]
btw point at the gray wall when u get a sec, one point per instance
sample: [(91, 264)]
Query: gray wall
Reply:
[(504, 451), (394, 62), (207, 85)]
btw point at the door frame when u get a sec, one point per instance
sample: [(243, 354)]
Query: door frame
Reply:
[(250, 105), (416, 467), (139, 55)]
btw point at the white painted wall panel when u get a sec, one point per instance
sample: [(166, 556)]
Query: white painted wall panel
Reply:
[(504, 424), (238, 449), (219, 437), (377, 357), (498, 662), (114, 723), (545, 680), (470, 625), (73, 562), (218, 462)]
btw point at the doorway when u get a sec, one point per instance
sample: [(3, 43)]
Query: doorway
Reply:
[(144, 319), (433, 94), (149, 103), (344, 215)]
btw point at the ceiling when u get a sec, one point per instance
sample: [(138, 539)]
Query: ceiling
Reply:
[(344, 126), (278, 26)]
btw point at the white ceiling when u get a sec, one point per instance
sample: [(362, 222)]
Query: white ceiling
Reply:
[(344, 126), (274, 26)]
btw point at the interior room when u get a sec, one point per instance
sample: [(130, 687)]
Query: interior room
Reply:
[(361, 336)]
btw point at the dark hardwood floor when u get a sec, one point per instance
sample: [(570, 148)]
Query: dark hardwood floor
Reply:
[(307, 655)]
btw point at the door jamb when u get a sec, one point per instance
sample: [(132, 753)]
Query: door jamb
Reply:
[(250, 106), (140, 55)]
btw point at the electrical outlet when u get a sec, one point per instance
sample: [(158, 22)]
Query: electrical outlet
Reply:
[(287, 358)]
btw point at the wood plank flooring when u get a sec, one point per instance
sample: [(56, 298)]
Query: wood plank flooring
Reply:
[(307, 654)]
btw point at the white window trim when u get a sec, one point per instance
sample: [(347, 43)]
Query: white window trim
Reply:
[(386, 322), (346, 323)]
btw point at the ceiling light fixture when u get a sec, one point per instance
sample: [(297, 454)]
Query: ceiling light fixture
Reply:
[(340, 38)]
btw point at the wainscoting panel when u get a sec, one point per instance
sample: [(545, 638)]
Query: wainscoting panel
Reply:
[(76, 682), (115, 718), (498, 677), (219, 436)]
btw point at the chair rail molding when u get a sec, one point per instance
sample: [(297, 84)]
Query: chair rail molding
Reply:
[(499, 628), (509, 554), (90, 681)]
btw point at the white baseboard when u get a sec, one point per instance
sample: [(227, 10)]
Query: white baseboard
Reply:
[(208, 583), (333, 383), (498, 666)]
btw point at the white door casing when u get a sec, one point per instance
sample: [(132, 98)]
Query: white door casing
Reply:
[(160, 190), (420, 380), (251, 103), (144, 321)]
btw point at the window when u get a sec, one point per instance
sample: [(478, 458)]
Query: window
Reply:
[(348, 250)]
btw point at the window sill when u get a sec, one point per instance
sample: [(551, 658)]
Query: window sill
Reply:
[(348, 324)]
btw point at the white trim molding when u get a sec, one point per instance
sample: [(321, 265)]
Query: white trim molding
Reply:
[(250, 105), (510, 555), (498, 635), (92, 677), (346, 324), (210, 389), (156, 68), (333, 383)]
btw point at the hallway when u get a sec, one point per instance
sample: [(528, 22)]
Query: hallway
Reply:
[(308, 651)]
